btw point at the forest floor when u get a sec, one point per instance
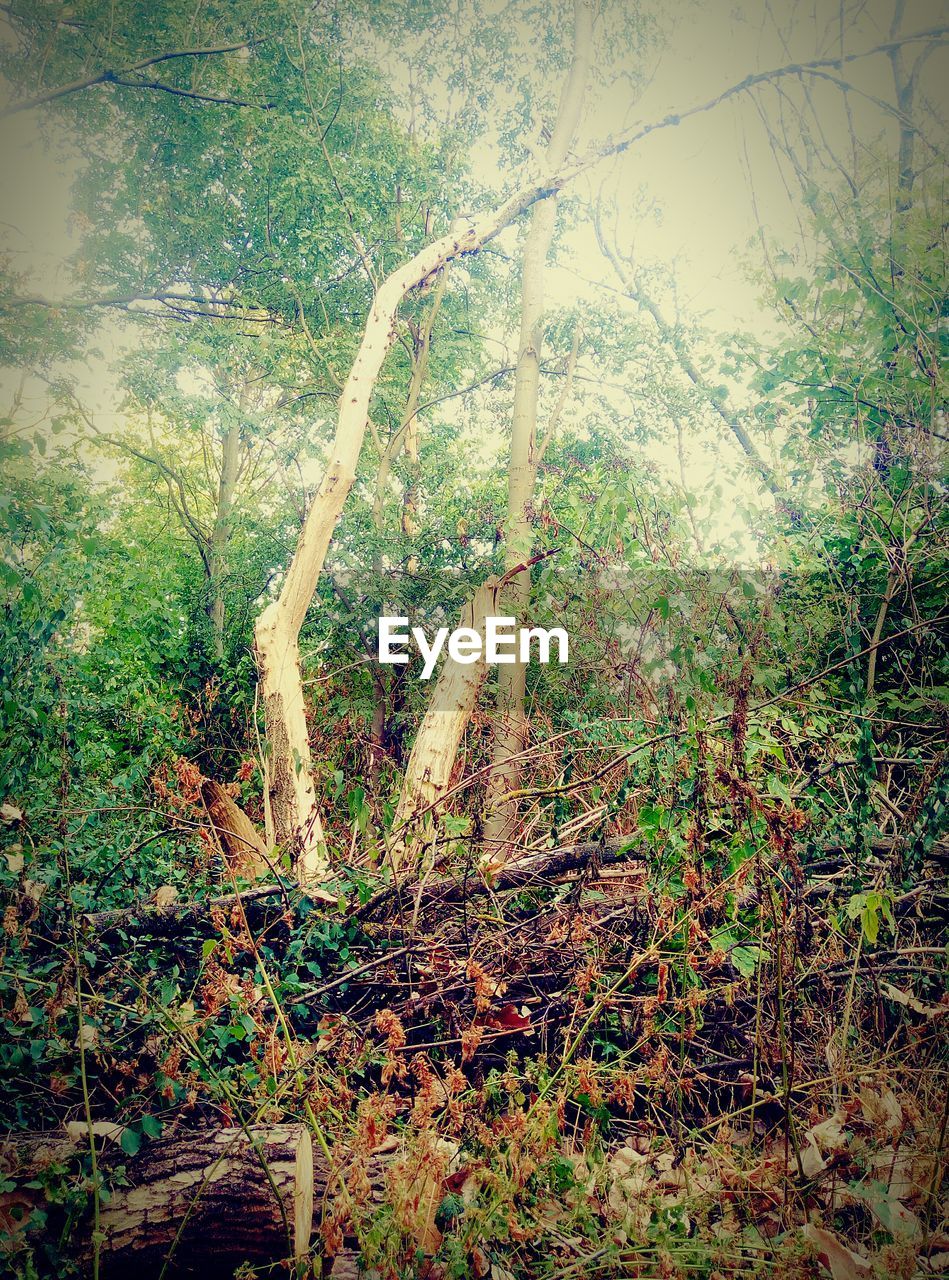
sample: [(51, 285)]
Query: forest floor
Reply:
[(577, 1065)]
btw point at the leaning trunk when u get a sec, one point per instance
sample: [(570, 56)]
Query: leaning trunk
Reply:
[(290, 783)]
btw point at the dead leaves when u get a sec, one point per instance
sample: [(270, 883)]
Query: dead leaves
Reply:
[(508, 1018), (416, 1188), (841, 1262), (898, 996)]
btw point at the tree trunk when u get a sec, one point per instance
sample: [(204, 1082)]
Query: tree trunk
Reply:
[(240, 842), (450, 707), (221, 532), (511, 725), (404, 439), (291, 786), (205, 1201)]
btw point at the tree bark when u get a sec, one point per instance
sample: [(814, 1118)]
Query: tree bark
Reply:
[(511, 723), (179, 917), (450, 707), (205, 1201), (221, 532), (292, 790), (404, 439), (240, 842)]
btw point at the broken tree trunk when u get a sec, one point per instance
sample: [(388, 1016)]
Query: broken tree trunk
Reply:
[(531, 871), (450, 707), (202, 1202), (240, 842)]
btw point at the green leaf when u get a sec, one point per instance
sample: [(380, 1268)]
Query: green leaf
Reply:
[(745, 960), (130, 1141), (151, 1126), (778, 789)]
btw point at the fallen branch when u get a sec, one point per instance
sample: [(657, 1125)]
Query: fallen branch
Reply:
[(175, 918), (524, 873)]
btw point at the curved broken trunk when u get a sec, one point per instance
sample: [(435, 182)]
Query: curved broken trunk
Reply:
[(240, 843)]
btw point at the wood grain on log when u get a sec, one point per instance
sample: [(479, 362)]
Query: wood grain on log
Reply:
[(240, 841), (202, 1201)]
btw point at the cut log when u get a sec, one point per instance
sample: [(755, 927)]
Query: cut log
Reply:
[(203, 1202)]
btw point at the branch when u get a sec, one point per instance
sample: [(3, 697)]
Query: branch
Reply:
[(632, 287), (174, 481), (165, 296), (188, 93), (764, 77), (111, 75)]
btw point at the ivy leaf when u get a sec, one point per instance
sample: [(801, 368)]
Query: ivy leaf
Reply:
[(130, 1141)]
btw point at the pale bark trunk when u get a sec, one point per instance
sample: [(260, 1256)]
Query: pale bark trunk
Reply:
[(221, 533), (405, 439), (450, 707), (511, 723), (292, 791)]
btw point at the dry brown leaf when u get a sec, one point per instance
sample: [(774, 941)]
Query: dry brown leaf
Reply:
[(78, 1130), (829, 1134), (10, 813), (897, 1172), (321, 895), (841, 1262), (881, 1110), (631, 1183), (812, 1162), (87, 1036), (910, 1001), (165, 896), (480, 1262)]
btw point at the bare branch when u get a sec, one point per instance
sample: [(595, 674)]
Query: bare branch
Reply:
[(187, 93), (112, 75)]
